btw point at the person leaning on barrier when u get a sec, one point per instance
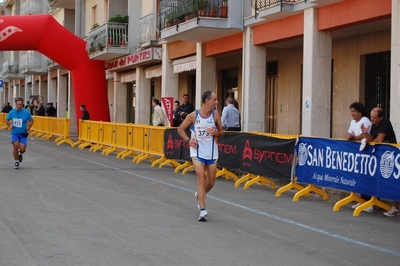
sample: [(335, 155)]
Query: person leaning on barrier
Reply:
[(359, 115), (381, 131), (85, 113)]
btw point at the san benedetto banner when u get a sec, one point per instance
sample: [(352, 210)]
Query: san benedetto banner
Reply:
[(251, 153), (340, 164)]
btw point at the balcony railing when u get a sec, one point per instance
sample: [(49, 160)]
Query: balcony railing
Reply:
[(11, 70), (264, 4), (173, 12), (31, 7), (110, 34), (32, 62), (68, 4), (147, 29)]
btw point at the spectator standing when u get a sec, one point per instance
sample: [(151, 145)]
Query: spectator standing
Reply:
[(205, 126), (7, 108), (40, 110), (381, 131), (176, 117), (20, 121), (230, 116), (85, 113), (158, 115), (50, 110), (185, 109)]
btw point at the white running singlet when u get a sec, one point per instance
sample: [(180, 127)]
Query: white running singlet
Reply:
[(207, 147)]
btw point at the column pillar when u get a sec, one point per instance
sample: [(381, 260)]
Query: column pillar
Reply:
[(395, 69), (169, 80), (253, 84), (205, 74), (143, 97), (317, 58), (61, 86), (119, 100)]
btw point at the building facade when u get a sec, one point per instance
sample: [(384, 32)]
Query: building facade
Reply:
[(294, 66)]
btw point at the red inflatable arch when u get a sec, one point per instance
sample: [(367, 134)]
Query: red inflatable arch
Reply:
[(44, 34)]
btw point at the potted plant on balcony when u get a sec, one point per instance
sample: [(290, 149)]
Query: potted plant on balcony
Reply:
[(200, 6), (224, 9), (214, 11), (170, 18)]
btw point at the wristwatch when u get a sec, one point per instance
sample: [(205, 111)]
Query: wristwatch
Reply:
[(187, 141)]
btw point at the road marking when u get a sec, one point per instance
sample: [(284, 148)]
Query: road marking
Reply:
[(311, 228)]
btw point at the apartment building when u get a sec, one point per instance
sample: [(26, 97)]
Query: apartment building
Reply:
[(294, 66)]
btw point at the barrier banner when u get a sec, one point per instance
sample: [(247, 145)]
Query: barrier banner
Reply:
[(337, 164), (388, 171), (246, 152), (175, 147), (267, 156)]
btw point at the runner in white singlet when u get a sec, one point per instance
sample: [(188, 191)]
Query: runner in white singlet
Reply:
[(206, 127)]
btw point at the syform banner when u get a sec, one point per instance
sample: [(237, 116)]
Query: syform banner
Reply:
[(251, 153)]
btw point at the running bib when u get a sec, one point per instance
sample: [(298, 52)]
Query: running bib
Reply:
[(17, 122)]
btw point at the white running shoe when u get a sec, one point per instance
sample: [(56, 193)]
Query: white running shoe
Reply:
[(16, 165), (355, 206), (202, 216), (392, 212), (371, 209)]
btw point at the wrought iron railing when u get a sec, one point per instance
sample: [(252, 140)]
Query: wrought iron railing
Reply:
[(173, 12), (264, 4)]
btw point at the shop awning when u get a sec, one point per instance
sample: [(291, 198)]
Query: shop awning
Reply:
[(128, 76), (184, 64), (153, 72)]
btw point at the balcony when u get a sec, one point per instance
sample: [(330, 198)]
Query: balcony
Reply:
[(30, 7), (277, 9), (11, 71), (67, 4), (108, 41), (32, 63), (53, 65), (148, 35), (199, 20)]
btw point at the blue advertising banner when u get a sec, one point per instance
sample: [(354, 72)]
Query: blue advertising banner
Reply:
[(388, 173), (340, 164)]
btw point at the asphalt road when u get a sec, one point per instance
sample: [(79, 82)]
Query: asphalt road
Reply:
[(67, 206)]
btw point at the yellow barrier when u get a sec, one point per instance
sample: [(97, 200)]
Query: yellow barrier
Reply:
[(3, 124), (84, 133)]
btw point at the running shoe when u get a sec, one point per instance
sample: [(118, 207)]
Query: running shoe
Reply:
[(392, 212), (197, 197), (203, 216), (355, 206), (371, 209), (16, 165), (19, 157)]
